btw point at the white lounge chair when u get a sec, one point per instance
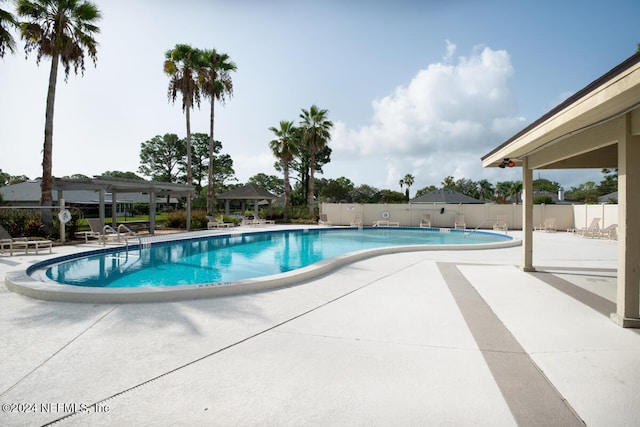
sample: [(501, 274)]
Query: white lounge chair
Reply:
[(21, 243), (549, 224), (214, 223), (592, 230), (459, 222), (324, 220), (356, 221), (425, 222), (501, 223), (609, 232)]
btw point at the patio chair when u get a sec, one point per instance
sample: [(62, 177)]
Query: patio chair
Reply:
[(592, 230), (425, 222), (214, 223), (609, 232), (549, 224), (324, 220), (98, 231), (501, 223), (459, 222), (356, 221), (21, 243)]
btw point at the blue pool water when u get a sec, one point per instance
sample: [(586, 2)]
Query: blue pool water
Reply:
[(223, 259)]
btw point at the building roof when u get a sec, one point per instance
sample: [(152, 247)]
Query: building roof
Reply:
[(247, 192), (581, 131), (444, 195), (29, 191)]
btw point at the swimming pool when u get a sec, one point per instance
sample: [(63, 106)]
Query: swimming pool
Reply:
[(242, 261)]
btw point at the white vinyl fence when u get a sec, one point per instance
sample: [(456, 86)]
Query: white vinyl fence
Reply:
[(475, 215)]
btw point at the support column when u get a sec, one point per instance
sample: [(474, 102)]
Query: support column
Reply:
[(114, 210), (527, 216), (152, 213), (627, 304), (101, 206)]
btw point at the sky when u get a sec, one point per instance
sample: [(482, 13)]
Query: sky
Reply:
[(413, 87)]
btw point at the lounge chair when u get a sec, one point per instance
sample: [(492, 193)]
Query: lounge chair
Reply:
[(214, 223), (98, 231), (459, 222), (425, 222), (549, 224), (609, 232), (21, 243), (592, 230), (356, 221), (324, 220), (501, 223)]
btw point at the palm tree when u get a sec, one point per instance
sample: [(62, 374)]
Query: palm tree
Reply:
[(485, 189), (63, 30), (215, 84), (181, 65), (285, 148), (401, 182), (316, 133), (408, 181), (6, 39), (515, 189)]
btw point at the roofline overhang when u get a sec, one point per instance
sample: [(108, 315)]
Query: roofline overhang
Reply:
[(614, 94)]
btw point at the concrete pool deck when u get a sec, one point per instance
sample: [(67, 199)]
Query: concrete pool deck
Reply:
[(415, 338)]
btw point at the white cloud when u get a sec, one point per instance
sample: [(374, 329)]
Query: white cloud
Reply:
[(439, 124)]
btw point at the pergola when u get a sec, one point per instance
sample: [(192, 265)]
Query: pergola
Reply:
[(598, 127), (120, 185), (247, 192)]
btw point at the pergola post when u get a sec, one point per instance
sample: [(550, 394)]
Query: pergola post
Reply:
[(628, 292), (152, 212), (527, 216)]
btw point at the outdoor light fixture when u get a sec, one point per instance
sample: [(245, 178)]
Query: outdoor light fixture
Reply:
[(507, 162)]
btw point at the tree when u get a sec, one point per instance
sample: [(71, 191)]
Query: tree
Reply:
[(7, 20), (390, 196), (200, 157), (271, 183), (502, 191), (301, 165), (586, 193), (449, 182), (160, 157), (285, 147), (125, 175), (215, 83), (336, 190), (63, 30), (485, 190), (316, 133), (181, 65), (425, 190), (408, 181), (542, 184), (364, 194), (515, 189), (610, 182)]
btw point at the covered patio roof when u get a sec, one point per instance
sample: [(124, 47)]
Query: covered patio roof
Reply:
[(581, 132), (598, 127), (104, 184)]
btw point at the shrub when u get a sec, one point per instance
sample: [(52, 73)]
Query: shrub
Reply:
[(178, 219)]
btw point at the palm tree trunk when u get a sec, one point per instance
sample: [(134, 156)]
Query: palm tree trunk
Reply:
[(210, 186), (287, 191), (312, 183), (46, 199), (189, 175)]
